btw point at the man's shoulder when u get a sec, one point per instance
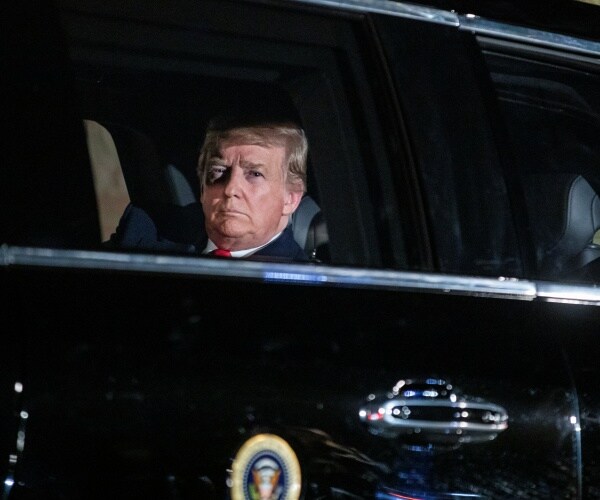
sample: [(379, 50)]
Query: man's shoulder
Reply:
[(173, 228), (160, 226), (284, 248)]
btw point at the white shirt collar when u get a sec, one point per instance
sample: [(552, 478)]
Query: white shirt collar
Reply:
[(238, 254)]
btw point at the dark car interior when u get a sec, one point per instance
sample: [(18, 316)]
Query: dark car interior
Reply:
[(156, 98), (47, 183), (551, 109), (564, 230)]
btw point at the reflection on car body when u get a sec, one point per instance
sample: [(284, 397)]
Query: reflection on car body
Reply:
[(432, 412)]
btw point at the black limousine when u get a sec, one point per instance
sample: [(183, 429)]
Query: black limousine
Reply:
[(443, 341)]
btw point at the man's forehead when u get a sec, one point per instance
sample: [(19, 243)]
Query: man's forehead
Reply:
[(251, 152)]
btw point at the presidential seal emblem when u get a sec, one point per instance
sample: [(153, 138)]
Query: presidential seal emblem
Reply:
[(265, 468)]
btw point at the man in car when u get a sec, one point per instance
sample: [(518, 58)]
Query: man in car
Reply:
[(252, 177)]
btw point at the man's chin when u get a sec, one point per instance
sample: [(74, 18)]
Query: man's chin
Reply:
[(229, 234)]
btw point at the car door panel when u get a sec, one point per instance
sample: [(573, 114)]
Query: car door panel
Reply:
[(156, 377)]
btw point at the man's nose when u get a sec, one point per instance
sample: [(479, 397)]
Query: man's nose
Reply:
[(233, 186)]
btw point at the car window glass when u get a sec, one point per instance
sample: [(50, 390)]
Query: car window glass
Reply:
[(444, 94), (550, 107), (154, 83)]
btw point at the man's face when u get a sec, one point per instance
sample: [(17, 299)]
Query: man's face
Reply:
[(245, 198)]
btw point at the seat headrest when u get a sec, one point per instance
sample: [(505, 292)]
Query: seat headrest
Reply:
[(565, 215), (142, 169), (310, 229)]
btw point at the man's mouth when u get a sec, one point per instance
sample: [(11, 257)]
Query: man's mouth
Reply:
[(230, 212)]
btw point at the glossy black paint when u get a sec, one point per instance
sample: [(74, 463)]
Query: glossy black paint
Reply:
[(136, 385)]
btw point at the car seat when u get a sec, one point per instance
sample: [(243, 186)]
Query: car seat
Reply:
[(310, 230), (144, 175), (565, 220)]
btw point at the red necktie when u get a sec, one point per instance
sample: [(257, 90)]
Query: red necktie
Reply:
[(221, 252)]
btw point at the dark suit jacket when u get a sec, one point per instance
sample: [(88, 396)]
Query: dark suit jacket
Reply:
[(170, 228)]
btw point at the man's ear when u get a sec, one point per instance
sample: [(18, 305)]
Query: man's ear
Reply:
[(292, 200)]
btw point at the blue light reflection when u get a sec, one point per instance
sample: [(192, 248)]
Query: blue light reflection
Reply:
[(294, 277)]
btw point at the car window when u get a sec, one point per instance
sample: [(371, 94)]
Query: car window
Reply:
[(154, 83), (504, 138), (444, 94), (430, 148), (550, 111)]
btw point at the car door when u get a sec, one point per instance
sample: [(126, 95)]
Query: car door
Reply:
[(147, 382)]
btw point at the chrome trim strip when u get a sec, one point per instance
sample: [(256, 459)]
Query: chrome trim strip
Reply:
[(398, 9), (396, 422), (442, 403), (301, 273), (568, 294), (446, 425), (269, 272), (481, 26)]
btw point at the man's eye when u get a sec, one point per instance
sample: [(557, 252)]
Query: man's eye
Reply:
[(215, 173), (255, 173)]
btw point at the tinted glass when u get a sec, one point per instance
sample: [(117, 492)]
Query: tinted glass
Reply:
[(550, 110), (154, 80), (445, 98)]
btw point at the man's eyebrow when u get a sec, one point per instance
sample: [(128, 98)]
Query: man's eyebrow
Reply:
[(215, 161), (249, 164)]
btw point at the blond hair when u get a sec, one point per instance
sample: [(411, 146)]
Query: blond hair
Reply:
[(268, 134)]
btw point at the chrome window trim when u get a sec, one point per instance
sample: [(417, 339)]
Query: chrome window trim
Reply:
[(388, 7), (568, 294), (309, 274), (481, 26)]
